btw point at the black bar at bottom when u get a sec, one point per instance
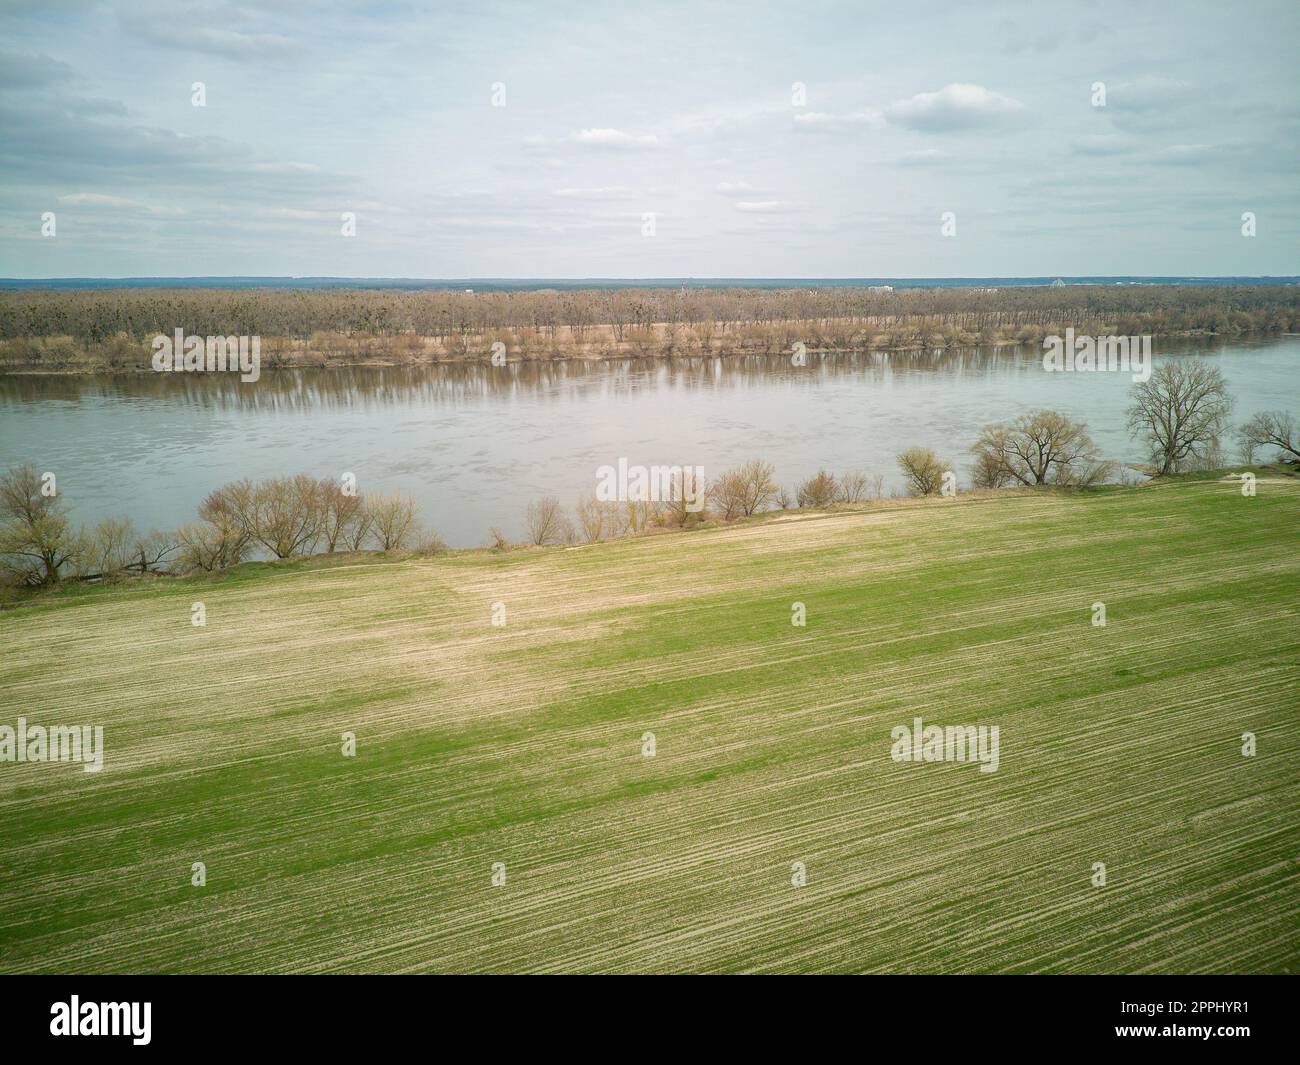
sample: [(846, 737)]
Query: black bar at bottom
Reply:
[(1218, 1014)]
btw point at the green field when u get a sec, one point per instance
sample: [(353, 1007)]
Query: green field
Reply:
[(522, 745)]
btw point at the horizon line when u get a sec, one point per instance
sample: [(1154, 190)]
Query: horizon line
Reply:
[(649, 278)]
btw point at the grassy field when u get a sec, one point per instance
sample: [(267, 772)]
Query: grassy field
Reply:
[(522, 745)]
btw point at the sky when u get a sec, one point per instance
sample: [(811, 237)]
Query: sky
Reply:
[(651, 139)]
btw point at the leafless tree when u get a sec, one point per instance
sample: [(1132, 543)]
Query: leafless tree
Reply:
[(1273, 428), (430, 543), (287, 514), (687, 499), (547, 522), (640, 514), (989, 471), (36, 541), (598, 518), (855, 487), (228, 511), (1042, 447), (759, 486), (341, 514), (819, 492), (924, 470), (209, 545), (728, 495), (392, 520), (150, 553), (1181, 413), (111, 547)]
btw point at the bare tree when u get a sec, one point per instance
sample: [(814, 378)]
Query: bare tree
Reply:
[(35, 539), (728, 495), (1181, 413), (640, 514), (547, 522), (819, 492), (355, 534), (599, 518), (430, 543), (341, 514), (1273, 428), (287, 515), (759, 486), (150, 553), (392, 520), (989, 471), (687, 499), (209, 545), (1042, 447), (111, 547), (924, 470), (228, 512), (855, 487)]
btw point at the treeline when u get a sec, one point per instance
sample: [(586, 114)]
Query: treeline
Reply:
[(283, 517), (55, 329)]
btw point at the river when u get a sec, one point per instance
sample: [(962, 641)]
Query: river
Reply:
[(473, 444)]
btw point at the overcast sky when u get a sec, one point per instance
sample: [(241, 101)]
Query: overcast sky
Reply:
[(912, 109)]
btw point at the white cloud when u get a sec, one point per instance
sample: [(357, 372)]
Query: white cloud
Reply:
[(612, 138), (1148, 94), (96, 199), (924, 157), (1182, 154), (599, 138), (1102, 144), (603, 192), (99, 199), (954, 107), (823, 122), (286, 168), (180, 28), (764, 206)]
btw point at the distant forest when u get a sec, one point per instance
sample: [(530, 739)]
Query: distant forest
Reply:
[(112, 328)]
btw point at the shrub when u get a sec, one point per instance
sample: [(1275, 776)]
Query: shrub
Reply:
[(923, 469), (819, 492)]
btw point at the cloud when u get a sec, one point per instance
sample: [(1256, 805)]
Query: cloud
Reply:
[(1102, 144), (955, 107), (735, 188), (599, 138), (603, 192), (924, 157), (612, 138), (1182, 154), (764, 206), (822, 122), (96, 199), (181, 29), (99, 199), (287, 167), (1153, 103), (1148, 94), (27, 72)]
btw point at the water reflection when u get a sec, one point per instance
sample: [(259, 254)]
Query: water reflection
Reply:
[(456, 383), (294, 389)]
